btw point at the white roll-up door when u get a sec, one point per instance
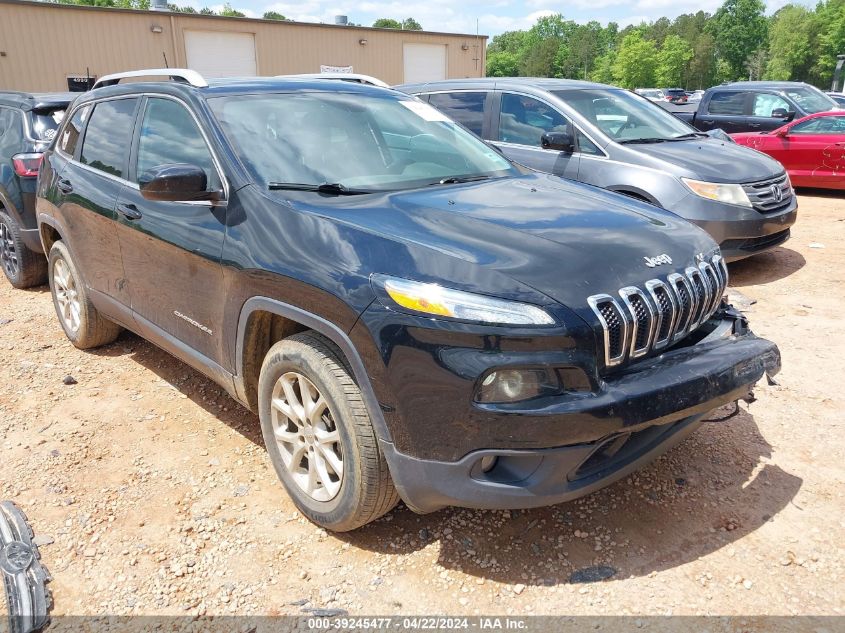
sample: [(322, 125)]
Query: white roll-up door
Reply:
[(221, 54), (424, 62)]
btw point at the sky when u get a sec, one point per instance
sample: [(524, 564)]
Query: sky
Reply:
[(491, 16)]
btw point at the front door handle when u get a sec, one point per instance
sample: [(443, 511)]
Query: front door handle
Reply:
[(64, 186), (129, 211), (754, 126)]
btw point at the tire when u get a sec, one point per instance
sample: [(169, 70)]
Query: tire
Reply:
[(337, 436), (82, 323), (22, 267)]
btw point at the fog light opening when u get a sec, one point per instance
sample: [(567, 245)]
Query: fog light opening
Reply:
[(515, 385), (488, 463)]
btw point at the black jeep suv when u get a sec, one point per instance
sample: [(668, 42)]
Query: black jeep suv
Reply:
[(410, 314), (27, 125)]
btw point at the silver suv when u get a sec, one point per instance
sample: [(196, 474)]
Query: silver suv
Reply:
[(615, 139)]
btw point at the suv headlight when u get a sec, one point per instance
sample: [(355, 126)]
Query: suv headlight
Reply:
[(730, 193), (435, 300)]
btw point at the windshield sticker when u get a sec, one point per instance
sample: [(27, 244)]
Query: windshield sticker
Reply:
[(424, 111)]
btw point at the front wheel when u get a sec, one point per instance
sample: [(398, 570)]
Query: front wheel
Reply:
[(319, 435)]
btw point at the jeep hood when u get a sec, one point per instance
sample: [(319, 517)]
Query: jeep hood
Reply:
[(563, 239), (711, 160)]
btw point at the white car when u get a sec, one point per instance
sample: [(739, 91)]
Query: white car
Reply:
[(652, 94)]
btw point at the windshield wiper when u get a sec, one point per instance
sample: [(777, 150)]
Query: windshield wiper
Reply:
[(631, 141), (451, 180), (683, 137), (331, 188)]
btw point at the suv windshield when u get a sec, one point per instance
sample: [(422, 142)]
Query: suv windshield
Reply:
[(356, 141), (625, 117), (45, 122), (811, 99)]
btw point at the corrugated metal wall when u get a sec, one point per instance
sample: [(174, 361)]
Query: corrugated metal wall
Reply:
[(42, 44)]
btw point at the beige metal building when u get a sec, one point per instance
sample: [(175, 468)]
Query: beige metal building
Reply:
[(44, 45)]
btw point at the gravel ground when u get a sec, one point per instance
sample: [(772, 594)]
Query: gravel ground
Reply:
[(150, 492)]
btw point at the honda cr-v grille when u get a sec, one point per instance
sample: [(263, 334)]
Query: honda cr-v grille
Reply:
[(641, 320)]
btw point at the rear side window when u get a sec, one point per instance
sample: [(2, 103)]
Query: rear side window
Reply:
[(730, 103), (169, 134), (72, 131), (108, 136), (467, 108), (523, 120), (765, 104), (10, 132)]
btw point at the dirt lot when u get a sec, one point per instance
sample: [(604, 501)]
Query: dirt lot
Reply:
[(158, 497)]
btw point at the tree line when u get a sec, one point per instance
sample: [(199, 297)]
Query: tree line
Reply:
[(693, 51)]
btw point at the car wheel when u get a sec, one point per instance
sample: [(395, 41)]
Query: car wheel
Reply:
[(83, 324), (22, 267), (319, 435)]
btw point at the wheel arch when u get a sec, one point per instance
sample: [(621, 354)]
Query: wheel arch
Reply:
[(264, 321)]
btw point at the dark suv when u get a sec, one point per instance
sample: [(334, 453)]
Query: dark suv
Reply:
[(27, 125), (410, 314)]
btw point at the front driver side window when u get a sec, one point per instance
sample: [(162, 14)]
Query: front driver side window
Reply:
[(523, 120), (169, 134), (765, 104)]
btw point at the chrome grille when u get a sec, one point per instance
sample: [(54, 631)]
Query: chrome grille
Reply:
[(640, 321), (764, 195)]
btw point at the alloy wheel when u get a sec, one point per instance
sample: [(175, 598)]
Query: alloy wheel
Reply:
[(8, 253), (67, 296), (307, 436)]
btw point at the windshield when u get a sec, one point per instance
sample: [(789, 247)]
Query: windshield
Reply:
[(45, 122), (624, 117), (356, 140), (811, 99)]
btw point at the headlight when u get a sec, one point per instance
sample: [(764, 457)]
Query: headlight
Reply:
[(436, 300), (732, 194)]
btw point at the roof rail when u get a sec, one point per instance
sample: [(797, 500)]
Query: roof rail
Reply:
[(184, 75)]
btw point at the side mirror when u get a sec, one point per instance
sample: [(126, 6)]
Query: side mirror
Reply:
[(782, 113), (561, 141), (783, 132), (176, 182)]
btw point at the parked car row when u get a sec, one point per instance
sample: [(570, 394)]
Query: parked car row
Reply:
[(410, 313), (616, 140)]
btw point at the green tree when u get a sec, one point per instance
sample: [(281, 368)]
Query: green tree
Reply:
[(789, 44), (502, 64), (539, 60), (387, 23), (207, 11), (755, 65), (739, 29), (603, 69), (229, 12), (827, 40), (673, 62), (273, 15), (410, 24), (636, 62), (703, 65)]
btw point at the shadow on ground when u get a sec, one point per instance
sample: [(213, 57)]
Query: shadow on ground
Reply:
[(767, 267)]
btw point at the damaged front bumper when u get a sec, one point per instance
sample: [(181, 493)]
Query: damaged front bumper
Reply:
[(650, 407), (24, 578)]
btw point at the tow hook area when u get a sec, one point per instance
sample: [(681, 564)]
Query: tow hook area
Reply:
[(24, 578)]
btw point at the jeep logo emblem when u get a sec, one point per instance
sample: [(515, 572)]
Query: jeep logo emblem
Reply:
[(651, 262), (15, 557)]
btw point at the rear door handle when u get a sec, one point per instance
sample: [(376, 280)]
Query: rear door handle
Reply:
[(64, 186), (754, 126), (129, 211)]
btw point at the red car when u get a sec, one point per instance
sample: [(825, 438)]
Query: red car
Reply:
[(812, 148)]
